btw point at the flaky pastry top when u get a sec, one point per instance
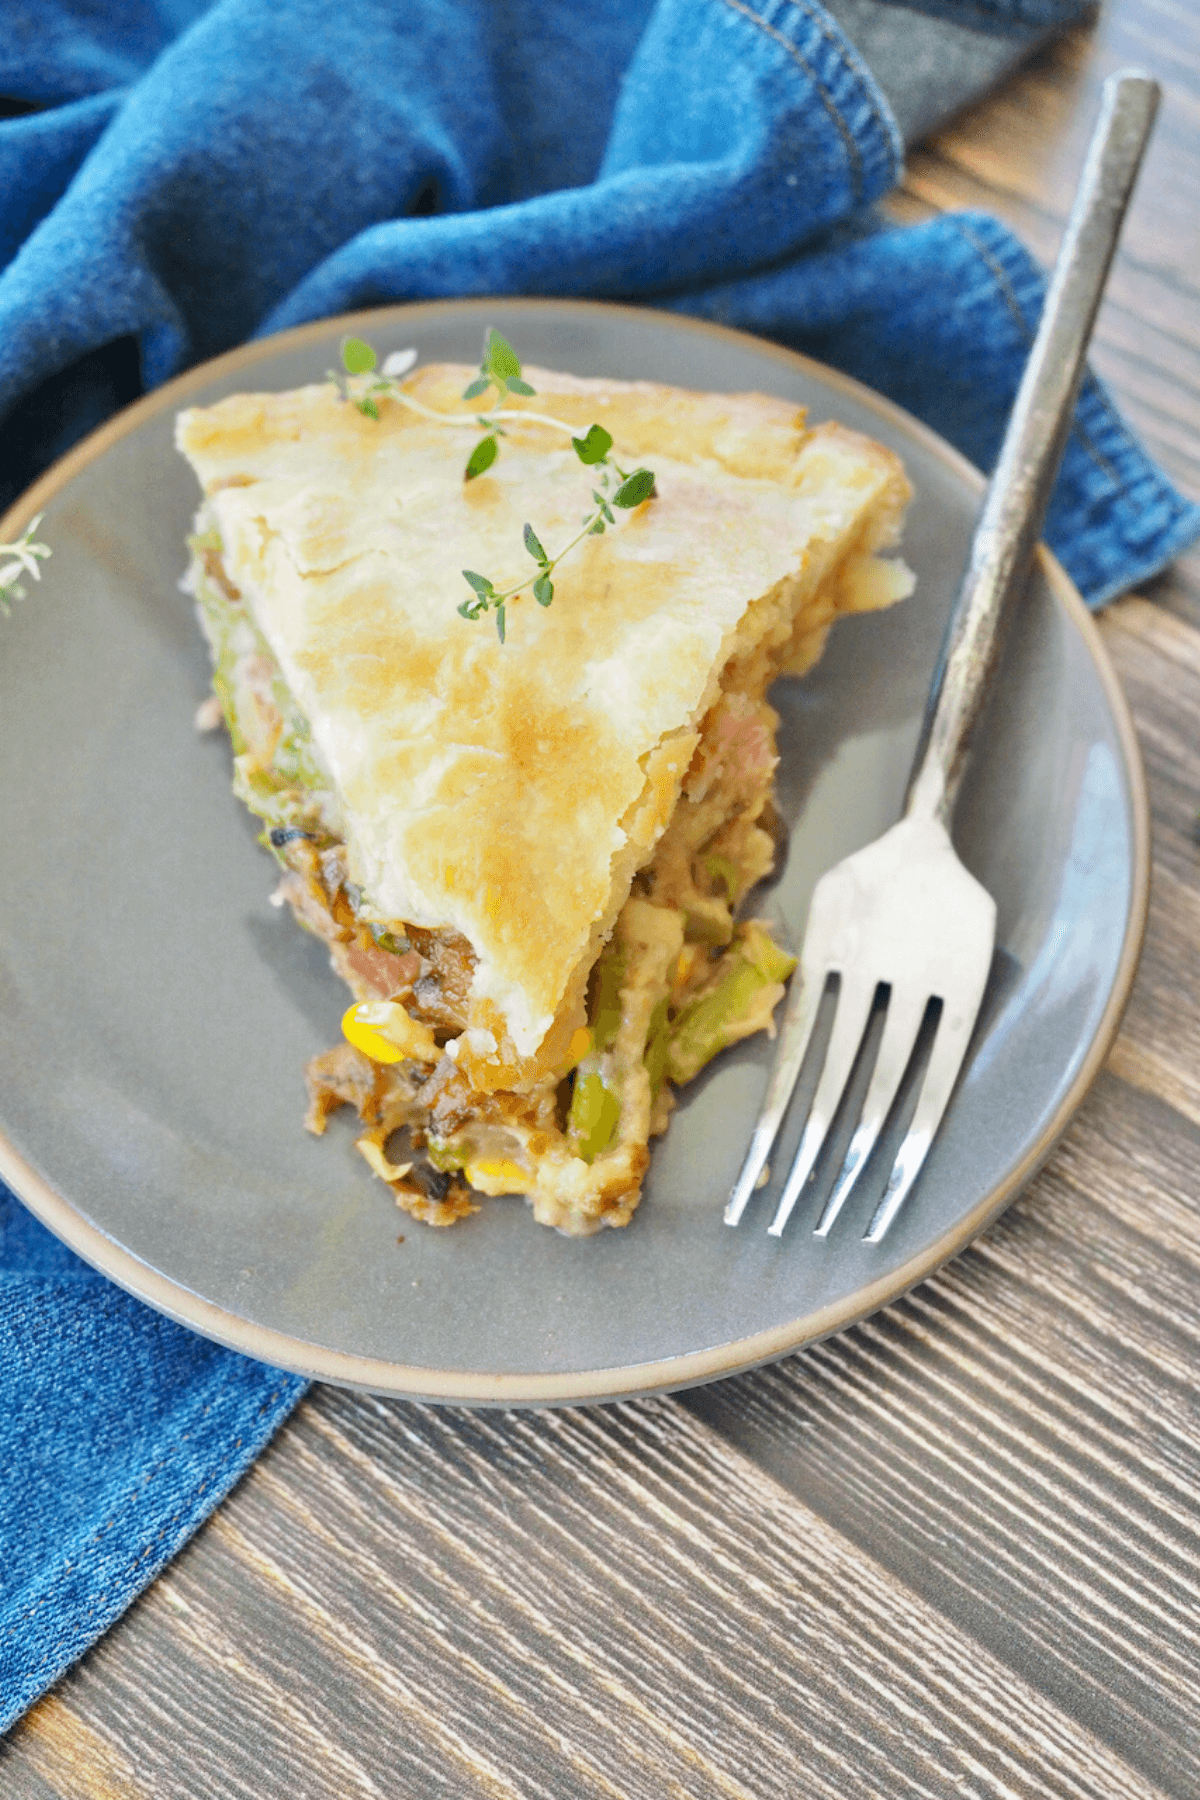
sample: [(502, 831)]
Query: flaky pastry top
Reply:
[(511, 791)]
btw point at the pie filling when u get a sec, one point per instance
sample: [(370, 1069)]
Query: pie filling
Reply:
[(681, 978)]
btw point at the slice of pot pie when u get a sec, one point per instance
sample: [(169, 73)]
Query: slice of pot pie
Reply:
[(526, 857)]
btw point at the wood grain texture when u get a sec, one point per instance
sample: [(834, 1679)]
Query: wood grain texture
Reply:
[(955, 1551), (610, 1601), (1019, 155)]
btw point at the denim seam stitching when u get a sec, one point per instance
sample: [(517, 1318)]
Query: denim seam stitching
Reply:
[(856, 67), (827, 100), (1000, 276)]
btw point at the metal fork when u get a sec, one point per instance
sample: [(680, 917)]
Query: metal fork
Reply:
[(903, 912)]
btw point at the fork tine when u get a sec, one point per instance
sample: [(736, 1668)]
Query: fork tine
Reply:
[(949, 1048), (904, 1017), (854, 1008), (800, 1015)]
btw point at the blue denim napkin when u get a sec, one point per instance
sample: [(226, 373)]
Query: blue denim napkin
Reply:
[(176, 176), (119, 1433)]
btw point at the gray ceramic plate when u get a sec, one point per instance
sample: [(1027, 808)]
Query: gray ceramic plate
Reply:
[(156, 1012)]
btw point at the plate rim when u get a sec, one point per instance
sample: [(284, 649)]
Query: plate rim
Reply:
[(265, 1343)]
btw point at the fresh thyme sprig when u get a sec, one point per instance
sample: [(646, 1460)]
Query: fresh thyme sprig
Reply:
[(500, 368), (633, 490), (26, 555)]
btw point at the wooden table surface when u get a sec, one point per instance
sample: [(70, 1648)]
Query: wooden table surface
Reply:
[(954, 1551)]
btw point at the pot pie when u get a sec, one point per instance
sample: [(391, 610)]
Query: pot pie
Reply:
[(527, 859)]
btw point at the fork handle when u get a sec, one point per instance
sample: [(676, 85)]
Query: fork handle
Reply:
[(1038, 427)]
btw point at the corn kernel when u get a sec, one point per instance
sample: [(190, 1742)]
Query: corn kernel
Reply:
[(581, 1043), (497, 1175), (371, 1043), (382, 1030)]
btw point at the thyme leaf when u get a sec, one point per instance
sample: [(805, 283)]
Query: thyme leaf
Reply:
[(358, 358), (482, 457), (500, 359), (634, 489), (594, 446)]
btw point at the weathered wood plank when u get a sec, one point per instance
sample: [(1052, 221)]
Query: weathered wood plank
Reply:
[(609, 1602), (65, 1756)]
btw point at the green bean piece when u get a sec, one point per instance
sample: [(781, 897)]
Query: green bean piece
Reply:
[(711, 1021), (606, 1008), (594, 1116)]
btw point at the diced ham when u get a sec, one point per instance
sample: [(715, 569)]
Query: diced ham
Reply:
[(387, 977), (742, 742)]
